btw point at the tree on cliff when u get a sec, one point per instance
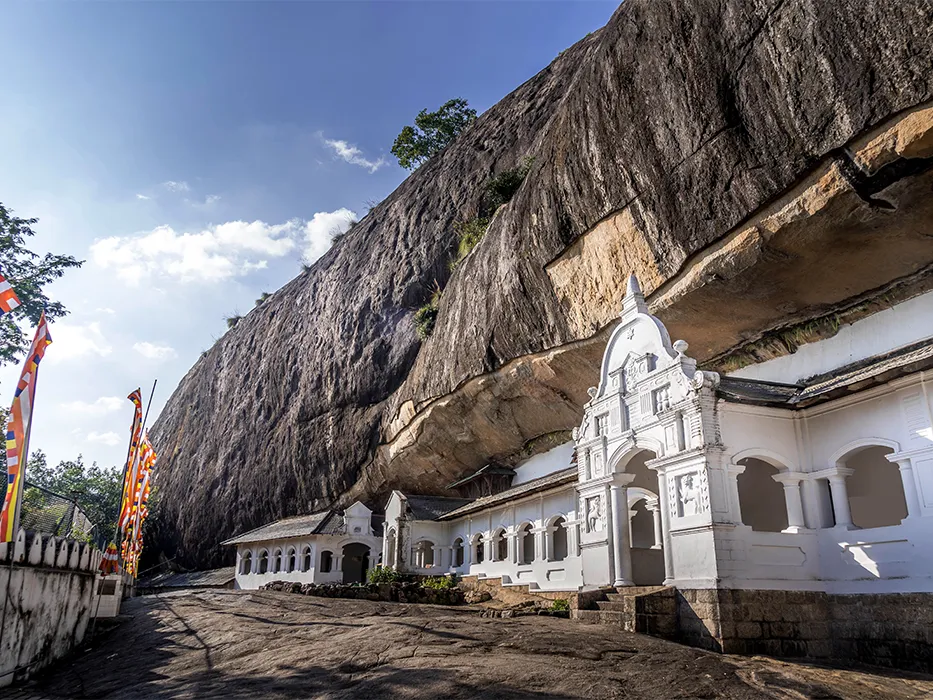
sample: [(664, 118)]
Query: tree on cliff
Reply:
[(28, 273), (432, 132)]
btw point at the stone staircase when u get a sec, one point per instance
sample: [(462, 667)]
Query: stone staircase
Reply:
[(648, 610)]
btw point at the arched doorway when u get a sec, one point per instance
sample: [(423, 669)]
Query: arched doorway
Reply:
[(355, 562), (638, 551)]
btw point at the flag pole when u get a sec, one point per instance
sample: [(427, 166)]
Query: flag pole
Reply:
[(142, 433)]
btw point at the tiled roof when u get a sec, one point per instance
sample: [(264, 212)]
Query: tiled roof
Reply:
[(192, 579), (824, 387), (543, 483), (298, 526), (433, 507)]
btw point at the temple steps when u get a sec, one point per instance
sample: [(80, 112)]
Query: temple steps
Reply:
[(643, 609)]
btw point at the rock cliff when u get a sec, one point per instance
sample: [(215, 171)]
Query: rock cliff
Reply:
[(764, 166)]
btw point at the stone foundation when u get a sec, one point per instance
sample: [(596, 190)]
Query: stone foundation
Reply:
[(892, 629), (516, 594)]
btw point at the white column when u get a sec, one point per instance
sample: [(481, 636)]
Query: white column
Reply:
[(905, 466), (840, 496), (656, 517), (438, 556), (621, 550), (735, 504), (663, 505), (792, 500)]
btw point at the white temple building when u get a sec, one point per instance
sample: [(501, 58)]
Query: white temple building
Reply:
[(811, 473)]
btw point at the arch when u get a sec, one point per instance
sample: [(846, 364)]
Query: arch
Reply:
[(637, 493), (327, 561), (246, 562), (775, 459), (500, 545), (625, 452), (457, 557), (307, 558), (761, 498), (874, 486), (291, 560), (263, 562), (858, 445), (477, 553), (423, 551), (558, 535), (277, 560), (355, 558), (525, 543), (391, 547)]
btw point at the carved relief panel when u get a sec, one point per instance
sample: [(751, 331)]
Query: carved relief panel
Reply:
[(689, 494)]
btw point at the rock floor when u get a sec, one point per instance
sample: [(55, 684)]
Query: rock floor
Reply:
[(263, 644)]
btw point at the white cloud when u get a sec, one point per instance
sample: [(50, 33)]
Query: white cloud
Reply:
[(353, 155), (142, 196), (152, 351), (109, 438), (320, 231), (214, 254), (105, 404), (105, 310), (219, 252), (76, 340), (176, 186), (211, 199)]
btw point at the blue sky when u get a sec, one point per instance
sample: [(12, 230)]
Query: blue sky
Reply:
[(195, 152)]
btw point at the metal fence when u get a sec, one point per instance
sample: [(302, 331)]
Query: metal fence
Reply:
[(49, 512)]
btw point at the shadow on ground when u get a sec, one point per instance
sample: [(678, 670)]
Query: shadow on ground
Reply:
[(237, 644)]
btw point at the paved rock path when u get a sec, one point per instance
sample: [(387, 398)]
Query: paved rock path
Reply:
[(232, 644)]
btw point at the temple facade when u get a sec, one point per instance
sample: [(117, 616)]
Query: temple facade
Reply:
[(809, 475)]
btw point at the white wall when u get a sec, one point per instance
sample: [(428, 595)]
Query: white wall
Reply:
[(554, 460), (50, 601), (887, 330), (318, 544)]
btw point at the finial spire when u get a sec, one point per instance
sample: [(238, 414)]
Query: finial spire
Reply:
[(634, 302)]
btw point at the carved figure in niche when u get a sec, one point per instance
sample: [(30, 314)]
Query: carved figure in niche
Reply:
[(594, 514), (689, 495)]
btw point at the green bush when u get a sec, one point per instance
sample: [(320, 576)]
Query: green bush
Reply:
[(561, 605), (426, 316), (440, 583), (503, 186), (432, 132), (384, 574), (233, 320), (471, 233)]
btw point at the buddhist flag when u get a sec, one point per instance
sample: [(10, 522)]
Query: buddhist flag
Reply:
[(108, 562), (8, 298), (130, 473), (133, 524), (17, 435)]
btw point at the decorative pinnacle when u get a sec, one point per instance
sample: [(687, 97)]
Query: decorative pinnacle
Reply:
[(634, 302)]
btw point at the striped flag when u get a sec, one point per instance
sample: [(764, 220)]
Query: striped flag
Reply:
[(18, 428), (108, 562), (130, 472), (133, 524), (8, 298)]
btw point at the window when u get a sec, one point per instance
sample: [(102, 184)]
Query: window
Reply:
[(500, 546), (458, 552), (246, 563), (327, 562), (662, 399), (602, 424), (291, 563), (478, 551), (306, 559), (527, 544), (277, 561), (263, 562), (559, 541)]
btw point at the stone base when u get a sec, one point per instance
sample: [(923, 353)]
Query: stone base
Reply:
[(892, 629), (514, 594)]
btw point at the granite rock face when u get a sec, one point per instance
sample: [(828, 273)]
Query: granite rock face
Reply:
[(721, 150)]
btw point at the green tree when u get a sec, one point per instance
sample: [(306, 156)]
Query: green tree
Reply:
[(29, 274), (432, 132), (96, 490)]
